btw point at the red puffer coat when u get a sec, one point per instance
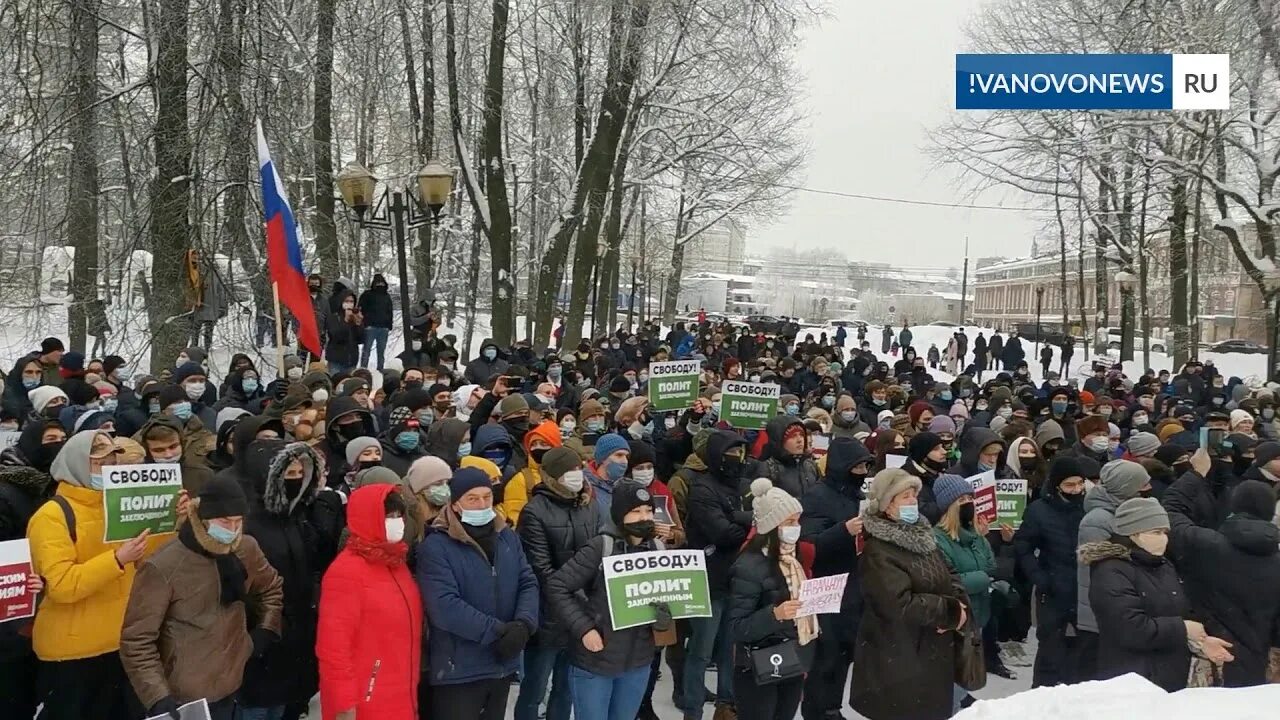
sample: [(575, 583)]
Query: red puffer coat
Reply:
[(369, 642)]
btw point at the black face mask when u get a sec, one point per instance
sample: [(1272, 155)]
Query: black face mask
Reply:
[(1030, 463), (938, 466), (518, 428), (1049, 451), (857, 478), (731, 467), (537, 454), (966, 515), (1180, 469), (351, 432), (43, 457), (412, 384), (644, 529), (1076, 499), (292, 488), (51, 411)]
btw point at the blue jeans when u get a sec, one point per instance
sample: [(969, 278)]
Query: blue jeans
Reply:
[(372, 336), (597, 697), (544, 666), (267, 713), (708, 635)]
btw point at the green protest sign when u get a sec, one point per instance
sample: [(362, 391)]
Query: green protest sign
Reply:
[(748, 405), (634, 581), (674, 385), (1011, 502), (140, 497)]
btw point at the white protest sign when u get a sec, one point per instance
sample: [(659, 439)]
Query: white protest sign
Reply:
[(895, 461), (822, 595), (9, 438)]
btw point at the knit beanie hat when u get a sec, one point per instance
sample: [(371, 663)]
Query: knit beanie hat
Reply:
[(917, 409), (359, 445), (949, 488), (559, 461), (511, 405), (72, 362), (467, 479), (943, 424), (627, 496), (1265, 453), (884, 415), (960, 410), (43, 395), (885, 485), (376, 475), (425, 472), (1143, 444), (1063, 467), (1124, 478), (921, 445), (609, 444), (112, 363), (1237, 416), (1139, 515), (1254, 497), (619, 384), (221, 497), (997, 424), (770, 505), (1169, 430), (590, 408), (641, 453), (1169, 454), (171, 395)]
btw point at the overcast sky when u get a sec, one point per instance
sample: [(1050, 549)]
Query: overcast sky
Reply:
[(868, 131)]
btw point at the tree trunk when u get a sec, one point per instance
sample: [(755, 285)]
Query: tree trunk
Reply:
[(671, 294), (1178, 274), (326, 232), (1080, 252), (1062, 251), (1102, 306), (82, 200), (171, 296), (502, 285)]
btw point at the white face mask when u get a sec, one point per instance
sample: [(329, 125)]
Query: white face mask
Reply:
[(294, 373), (195, 390), (572, 481), (395, 529), (789, 535), (320, 395), (1153, 542), (644, 477)]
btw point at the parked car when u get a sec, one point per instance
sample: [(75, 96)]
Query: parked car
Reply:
[(764, 323), (1247, 347), (943, 323), (1111, 337)]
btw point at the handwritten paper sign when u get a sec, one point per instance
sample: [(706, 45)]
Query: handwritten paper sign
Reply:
[(822, 595)]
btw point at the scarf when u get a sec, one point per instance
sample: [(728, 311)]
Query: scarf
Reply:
[(807, 626), (379, 553), (231, 574)]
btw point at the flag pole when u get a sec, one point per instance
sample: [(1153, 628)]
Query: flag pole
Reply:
[(275, 297)]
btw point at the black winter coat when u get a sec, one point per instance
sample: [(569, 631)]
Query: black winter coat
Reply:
[(377, 308), (22, 491), (1233, 580), (796, 475), (299, 538), (343, 345), (1140, 606), (906, 668), (583, 574), (1206, 501), (756, 586), (717, 521), (827, 508), (1012, 354), (927, 501), (553, 529), (1045, 545)]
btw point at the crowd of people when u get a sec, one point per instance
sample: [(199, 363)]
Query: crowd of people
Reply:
[(431, 546)]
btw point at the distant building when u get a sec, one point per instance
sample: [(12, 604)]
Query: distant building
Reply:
[(721, 248)]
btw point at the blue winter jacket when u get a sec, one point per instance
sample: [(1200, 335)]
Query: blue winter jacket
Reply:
[(467, 600)]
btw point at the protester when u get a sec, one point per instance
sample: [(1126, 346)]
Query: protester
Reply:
[(194, 593), (904, 665)]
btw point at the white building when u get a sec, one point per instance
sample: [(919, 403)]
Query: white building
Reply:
[(721, 248)]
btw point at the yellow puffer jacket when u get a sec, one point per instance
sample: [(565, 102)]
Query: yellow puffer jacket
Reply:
[(86, 592)]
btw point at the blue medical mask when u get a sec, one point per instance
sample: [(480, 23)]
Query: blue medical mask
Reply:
[(250, 385), (110, 404), (595, 425), (878, 402), (614, 471), (182, 410), (154, 407), (793, 409), (30, 383), (1059, 407), (490, 354), (425, 417), (95, 481), (945, 395), (828, 401), (438, 494), (478, 518), (464, 449), (408, 439), (909, 514), (983, 467), (223, 535)]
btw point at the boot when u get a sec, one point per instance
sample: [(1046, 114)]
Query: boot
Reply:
[(647, 713), (725, 711)]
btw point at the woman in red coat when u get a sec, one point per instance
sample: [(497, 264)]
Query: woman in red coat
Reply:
[(370, 637)]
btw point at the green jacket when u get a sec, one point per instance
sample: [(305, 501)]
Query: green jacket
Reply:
[(971, 558)]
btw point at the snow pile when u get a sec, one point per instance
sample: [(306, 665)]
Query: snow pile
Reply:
[(1129, 697)]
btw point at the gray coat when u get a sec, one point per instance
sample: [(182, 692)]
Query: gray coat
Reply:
[(1099, 514)]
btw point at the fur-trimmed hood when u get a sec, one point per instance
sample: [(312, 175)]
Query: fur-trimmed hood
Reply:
[(267, 463), (27, 479), (1095, 552), (918, 538)]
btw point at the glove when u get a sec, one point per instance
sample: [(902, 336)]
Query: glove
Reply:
[(662, 617), (263, 639), (512, 637), (167, 706)]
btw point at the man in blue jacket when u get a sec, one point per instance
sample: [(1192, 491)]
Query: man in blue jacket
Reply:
[(481, 599)]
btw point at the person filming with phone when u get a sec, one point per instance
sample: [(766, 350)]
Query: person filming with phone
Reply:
[(1203, 493)]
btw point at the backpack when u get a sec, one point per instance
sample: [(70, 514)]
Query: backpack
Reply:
[(67, 513), (607, 546)]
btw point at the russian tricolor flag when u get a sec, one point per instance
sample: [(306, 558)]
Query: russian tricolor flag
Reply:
[(284, 254)]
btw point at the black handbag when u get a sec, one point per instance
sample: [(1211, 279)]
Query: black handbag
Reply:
[(776, 663), (971, 666)]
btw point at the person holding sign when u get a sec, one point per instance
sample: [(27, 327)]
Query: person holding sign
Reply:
[(22, 490), (764, 599), (77, 630), (192, 595), (905, 664), (609, 669)]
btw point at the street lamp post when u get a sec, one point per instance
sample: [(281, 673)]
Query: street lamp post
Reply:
[(1039, 332), (1126, 282), (397, 210)]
